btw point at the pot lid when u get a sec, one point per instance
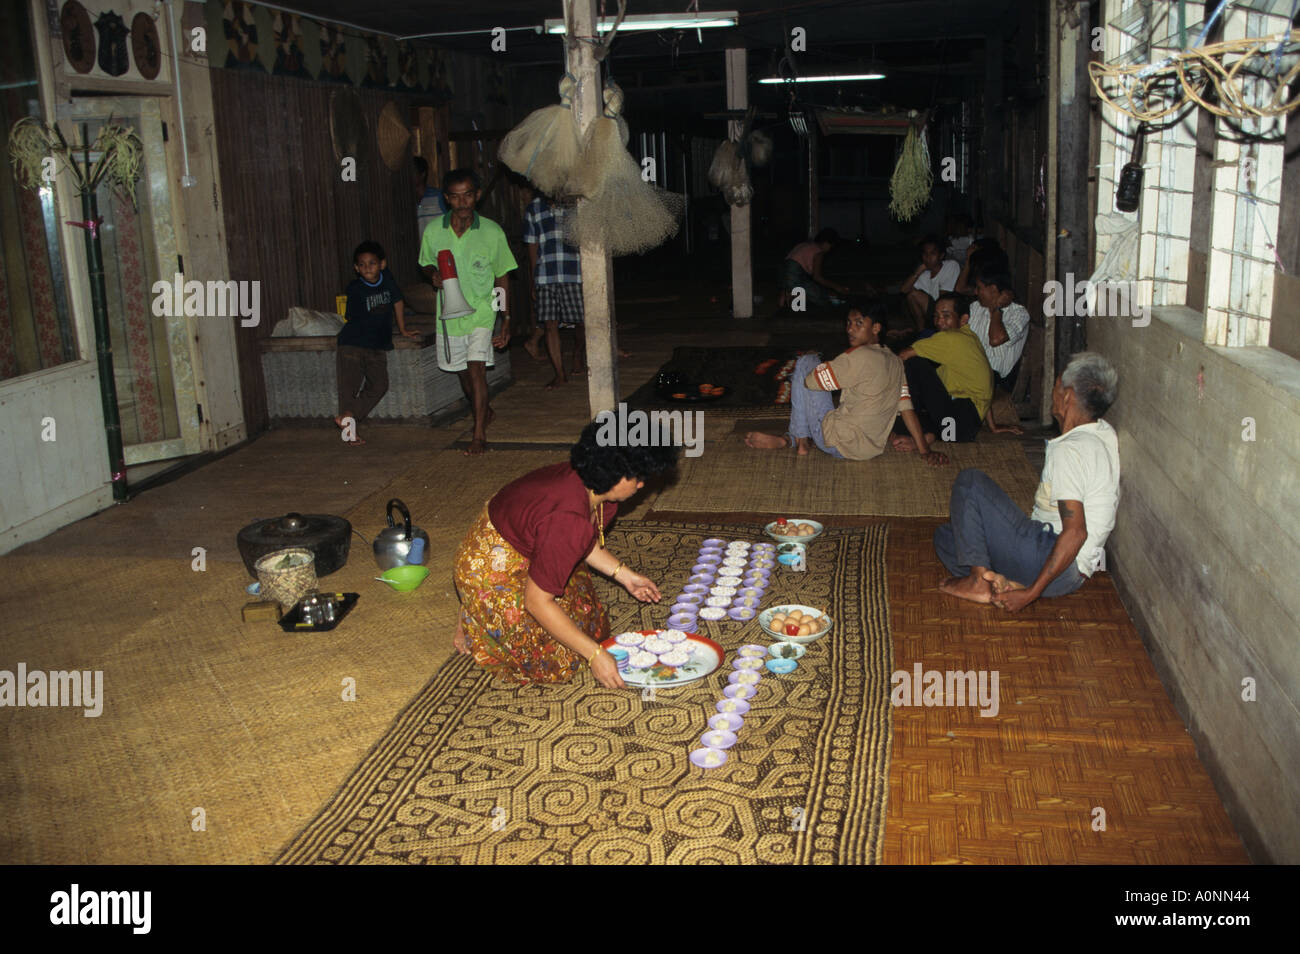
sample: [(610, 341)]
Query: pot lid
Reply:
[(294, 528)]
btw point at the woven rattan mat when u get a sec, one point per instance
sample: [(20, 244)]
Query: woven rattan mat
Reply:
[(477, 772), (730, 477)]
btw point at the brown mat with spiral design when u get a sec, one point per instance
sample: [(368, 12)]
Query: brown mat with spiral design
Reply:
[(477, 772)]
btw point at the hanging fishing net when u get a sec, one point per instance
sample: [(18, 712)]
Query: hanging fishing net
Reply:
[(544, 147), (620, 210)]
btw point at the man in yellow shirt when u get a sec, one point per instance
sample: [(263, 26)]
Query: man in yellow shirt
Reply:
[(952, 399)]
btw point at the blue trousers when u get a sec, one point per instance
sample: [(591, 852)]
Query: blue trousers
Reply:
[(807, 408), (988, 529)]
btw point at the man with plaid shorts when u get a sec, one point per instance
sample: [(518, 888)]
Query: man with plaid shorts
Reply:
[(557, 282)]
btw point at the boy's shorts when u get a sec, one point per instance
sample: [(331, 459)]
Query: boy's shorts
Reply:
[(456, 351)]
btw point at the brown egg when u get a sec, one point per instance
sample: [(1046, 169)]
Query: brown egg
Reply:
[(804, 630), (795, 615), (778, 621)]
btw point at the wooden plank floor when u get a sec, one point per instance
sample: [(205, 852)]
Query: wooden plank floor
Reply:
[(1084, 723)]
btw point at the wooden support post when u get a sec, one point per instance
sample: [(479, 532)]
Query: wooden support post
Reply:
[(597, 269), (742, 278), (1055, 44), (1074, 216)]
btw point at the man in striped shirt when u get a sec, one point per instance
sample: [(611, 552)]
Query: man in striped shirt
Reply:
[(1000, 324), (556, 282)]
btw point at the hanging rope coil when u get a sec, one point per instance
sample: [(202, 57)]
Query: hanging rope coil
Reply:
[(1213, 77)]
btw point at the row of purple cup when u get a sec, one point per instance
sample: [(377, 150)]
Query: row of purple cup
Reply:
[(747, 672), (748, 595)]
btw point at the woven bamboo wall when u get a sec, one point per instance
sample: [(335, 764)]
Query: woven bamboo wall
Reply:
[(291, 219)]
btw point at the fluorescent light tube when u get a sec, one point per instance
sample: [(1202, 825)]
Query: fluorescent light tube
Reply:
[(659, 21), (846, 78)]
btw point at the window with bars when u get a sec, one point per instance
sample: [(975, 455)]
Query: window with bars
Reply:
[(1209, 216)]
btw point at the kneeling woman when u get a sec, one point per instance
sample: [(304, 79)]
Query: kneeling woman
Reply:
[(529, 611)]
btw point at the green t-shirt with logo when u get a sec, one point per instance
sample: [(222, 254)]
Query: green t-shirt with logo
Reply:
[(482, 256)]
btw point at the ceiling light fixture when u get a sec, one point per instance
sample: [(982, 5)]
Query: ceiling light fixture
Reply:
[(845, 78), (659, 21)]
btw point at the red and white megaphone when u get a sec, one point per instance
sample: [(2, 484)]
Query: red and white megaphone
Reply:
[(454, 304)]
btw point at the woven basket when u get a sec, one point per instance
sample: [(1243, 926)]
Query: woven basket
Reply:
[(289, 585), (393, 135)]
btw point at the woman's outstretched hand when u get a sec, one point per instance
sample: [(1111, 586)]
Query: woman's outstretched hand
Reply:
[(642, 587), (605, 670)]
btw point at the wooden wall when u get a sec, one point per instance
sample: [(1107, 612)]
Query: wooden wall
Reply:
[(292, 221), (1204, 549)]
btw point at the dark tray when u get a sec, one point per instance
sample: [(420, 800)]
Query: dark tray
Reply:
[(291, 622)]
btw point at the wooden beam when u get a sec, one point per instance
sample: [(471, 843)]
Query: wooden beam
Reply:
[(597, 270), (742, 278)]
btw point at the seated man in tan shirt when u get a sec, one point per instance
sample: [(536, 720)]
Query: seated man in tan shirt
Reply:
[(873, 392)]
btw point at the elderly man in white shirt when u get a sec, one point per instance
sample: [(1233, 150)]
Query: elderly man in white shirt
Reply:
[(1001, 324), (998, 554)]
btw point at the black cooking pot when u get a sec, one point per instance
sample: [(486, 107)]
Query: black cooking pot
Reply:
[(326, 536)]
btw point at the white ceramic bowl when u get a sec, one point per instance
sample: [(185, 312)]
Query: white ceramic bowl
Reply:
[(817, 527), (765, 619)]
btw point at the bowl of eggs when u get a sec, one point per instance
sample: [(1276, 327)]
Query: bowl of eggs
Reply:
[(794, 530), (795, 623)]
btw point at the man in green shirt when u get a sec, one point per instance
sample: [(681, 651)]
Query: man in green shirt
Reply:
[(483, 260), (952, 399)]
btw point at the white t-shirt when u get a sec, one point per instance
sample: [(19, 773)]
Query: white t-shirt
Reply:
[(959, 247), (945, 281), (1082, 464), (1015, 318)]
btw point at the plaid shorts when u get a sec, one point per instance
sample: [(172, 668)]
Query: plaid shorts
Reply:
[(560, 301)]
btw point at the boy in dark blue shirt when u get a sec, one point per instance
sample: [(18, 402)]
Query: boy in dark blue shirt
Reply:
[(374, 300)]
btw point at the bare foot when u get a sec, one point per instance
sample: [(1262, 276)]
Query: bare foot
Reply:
[(801, 446), (476, 447), (556, 382), (974, 588), (533, 351), (1000, 583), (760, 441), (459, 640), (355, 442), (902, 442)]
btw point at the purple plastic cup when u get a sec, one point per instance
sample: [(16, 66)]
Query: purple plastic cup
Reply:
[(745, 602), (718, 739), (698, 588), (704, 578), (691, 599), (714, 542), (708, 758), (741, 614), (684, 609), (708, 559), (728, 721), (712, 551), (735, 706), (705, 569), (682, 621)]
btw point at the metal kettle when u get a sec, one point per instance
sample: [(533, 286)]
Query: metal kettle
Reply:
[(393, 544)]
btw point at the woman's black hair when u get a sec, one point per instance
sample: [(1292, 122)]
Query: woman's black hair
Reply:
[(602, 464)]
